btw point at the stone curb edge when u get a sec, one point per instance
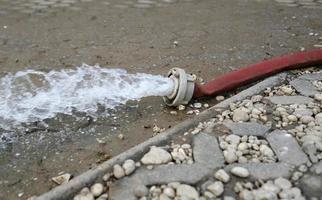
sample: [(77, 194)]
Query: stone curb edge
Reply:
[(87, 178)]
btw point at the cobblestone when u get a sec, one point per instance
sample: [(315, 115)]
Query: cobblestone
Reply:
[(304, 86), (286, 148), (265, 171), (248, 128), (287, 100)]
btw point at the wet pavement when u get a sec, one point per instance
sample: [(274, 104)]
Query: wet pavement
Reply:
[(204, 37)]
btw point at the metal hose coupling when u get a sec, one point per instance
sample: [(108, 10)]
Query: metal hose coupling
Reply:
[(184, 86)]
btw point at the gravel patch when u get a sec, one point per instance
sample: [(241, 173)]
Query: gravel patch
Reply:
[(244, 149)]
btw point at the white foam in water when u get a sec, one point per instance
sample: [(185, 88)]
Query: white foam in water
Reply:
[(30, 95)]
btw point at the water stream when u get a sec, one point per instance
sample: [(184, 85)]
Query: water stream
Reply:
[(31, 96)]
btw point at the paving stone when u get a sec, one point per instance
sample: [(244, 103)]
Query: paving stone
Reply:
[(265, 171), (189, 174), (206, 150), (304, 87), (286, 148), (248, 128), (287, 100), (303, 84), (311, 77)]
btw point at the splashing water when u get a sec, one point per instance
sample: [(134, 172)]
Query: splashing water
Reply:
[(30, 96)]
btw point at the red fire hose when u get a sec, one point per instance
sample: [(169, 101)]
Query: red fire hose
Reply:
[(185, 88), (258, 71)]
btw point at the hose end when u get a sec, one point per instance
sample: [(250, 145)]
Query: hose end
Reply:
[(183, 90)]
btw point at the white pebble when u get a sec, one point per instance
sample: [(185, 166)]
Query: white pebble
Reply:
[(318, 118), (222, 176), (187, 191), (217, 188), (173, 112), (156, 155), (121, 136), (62, 179), (230, 156), (270, 186), (220, 98), (256, 98), (306, 119), (241, 114), (240, 171), (197, 105), (242, 146), (292, 118), (283, 183), (118, 171), (97, 189), (181, 107), (106, 177), (318, 97), (266, 151), (128, 166), (286, 90), (169, 192)]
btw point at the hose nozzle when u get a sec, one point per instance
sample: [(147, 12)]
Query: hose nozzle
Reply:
[(183, 90)]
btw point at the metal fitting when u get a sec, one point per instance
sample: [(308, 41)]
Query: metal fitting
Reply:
[(184, 86)]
